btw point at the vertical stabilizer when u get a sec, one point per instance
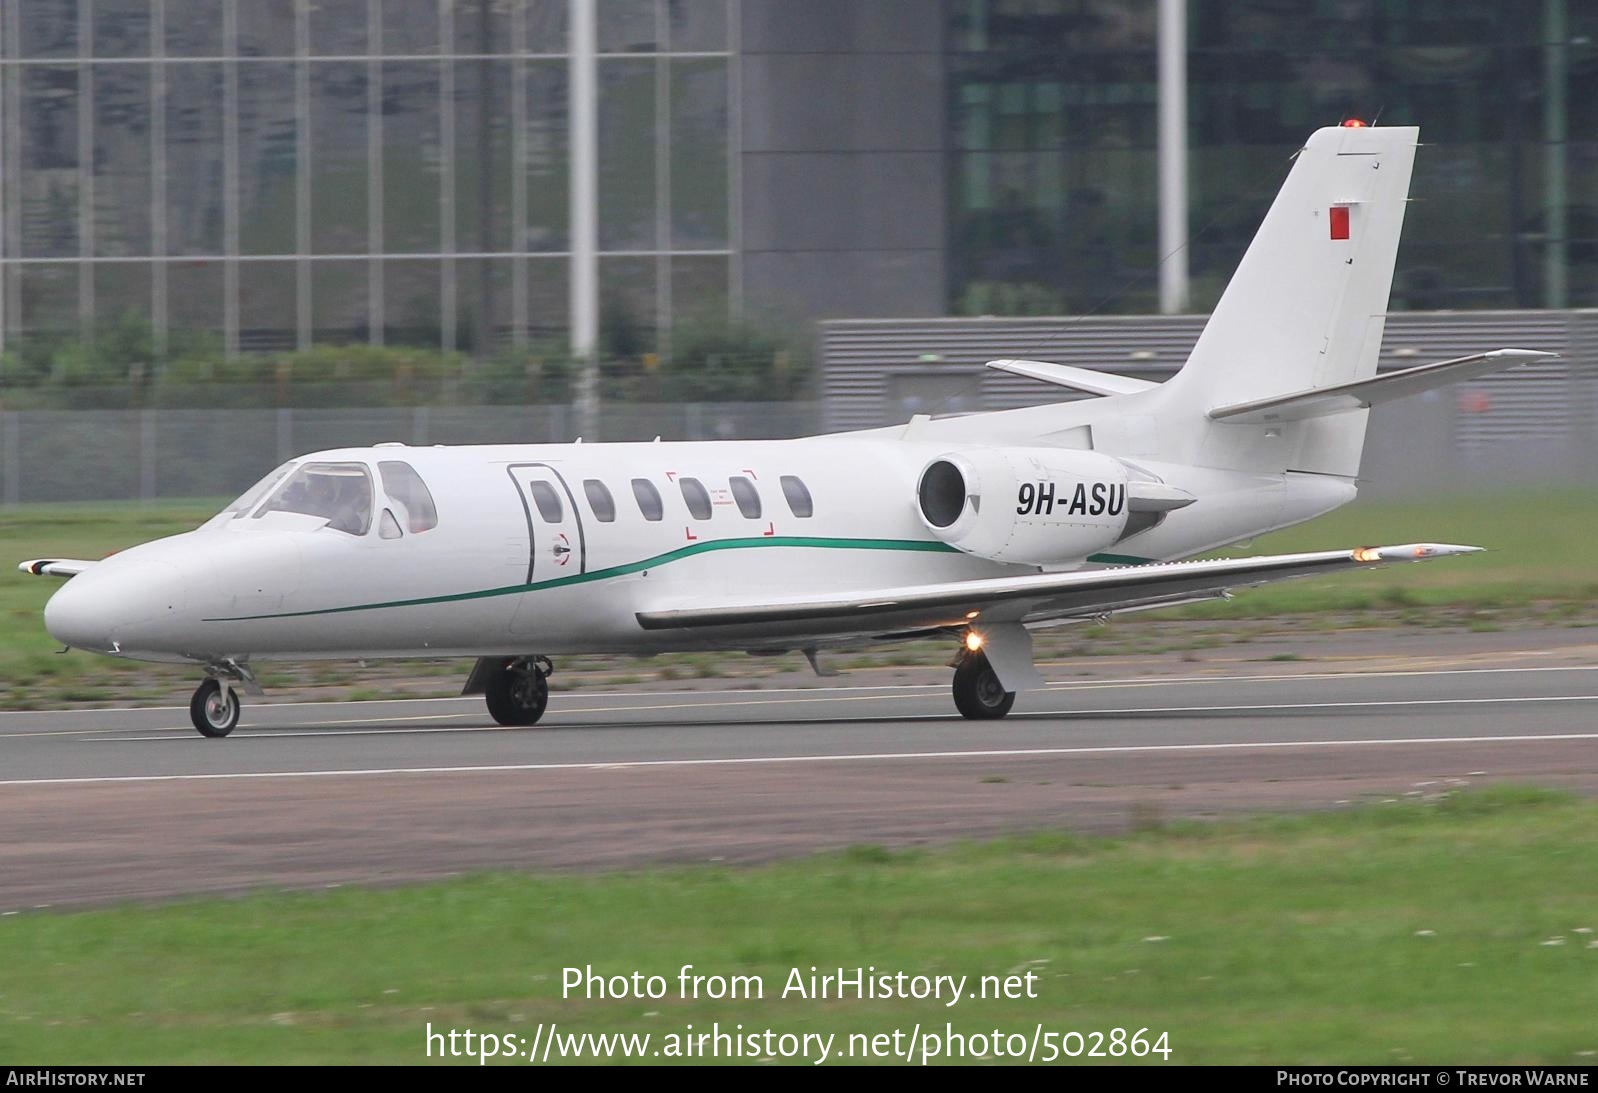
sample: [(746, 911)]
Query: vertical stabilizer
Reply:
[(1305, 307)]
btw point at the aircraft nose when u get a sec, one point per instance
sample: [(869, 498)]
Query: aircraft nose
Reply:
[(74, 617), (102, 610)]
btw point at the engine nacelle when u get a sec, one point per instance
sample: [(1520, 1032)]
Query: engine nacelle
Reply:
[(1032, 506)]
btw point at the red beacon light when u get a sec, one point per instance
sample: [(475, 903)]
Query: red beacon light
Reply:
[(1353, 123)]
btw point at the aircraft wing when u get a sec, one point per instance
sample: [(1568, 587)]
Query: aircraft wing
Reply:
[(1360, 394), (54, 567), (1032, 597)]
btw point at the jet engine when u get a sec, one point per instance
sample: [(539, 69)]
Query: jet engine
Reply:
[(1031, 506)]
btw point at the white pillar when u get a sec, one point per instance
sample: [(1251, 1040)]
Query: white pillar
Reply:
[(583, 124), (1556, 37), (1173, 155)]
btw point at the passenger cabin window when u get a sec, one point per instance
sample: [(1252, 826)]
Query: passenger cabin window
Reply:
[(748, 498), (411, 499), (648, 498), (340, 493), (548, 502), (599, 500), (798, 496), (696, 497)]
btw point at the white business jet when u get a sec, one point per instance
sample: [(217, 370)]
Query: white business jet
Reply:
[(968, 529)]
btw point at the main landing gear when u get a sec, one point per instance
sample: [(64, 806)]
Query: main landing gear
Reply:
[(978, 694), (517, 689)]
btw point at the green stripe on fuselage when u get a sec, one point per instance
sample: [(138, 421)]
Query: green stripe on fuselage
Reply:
[(927, 546)]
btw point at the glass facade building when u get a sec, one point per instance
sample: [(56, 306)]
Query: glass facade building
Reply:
[(281, 173), (1053, 146)]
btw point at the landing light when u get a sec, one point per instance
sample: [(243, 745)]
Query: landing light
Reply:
[(1368, 554), (973, 641)]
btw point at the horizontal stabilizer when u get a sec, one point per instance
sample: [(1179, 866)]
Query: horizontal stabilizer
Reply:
[(1032, 597), (1077, 379), (1361, 394), (54, 567)]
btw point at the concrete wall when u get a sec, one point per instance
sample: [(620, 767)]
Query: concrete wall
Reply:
[(842, 168)]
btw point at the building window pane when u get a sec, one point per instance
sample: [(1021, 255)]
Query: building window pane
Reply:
[(410, 302), (627, 190), (268, 319), (194, 303), (338, 28), (49, 28), (265, 30), (339, 294), (626, 26), (699, 289), (268, 158), (482, 155), (546, 163), (546, 26), (548, 296), (412, 157), (49, 293), (194, 158), (628, 307), (194, 28), (338, 158), (121, 28), (483, 26), (47, 187), (699, 127), (410, 27), (697, 26)]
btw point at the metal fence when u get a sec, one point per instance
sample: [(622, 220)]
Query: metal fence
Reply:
[(104, 455), (1537, 424)]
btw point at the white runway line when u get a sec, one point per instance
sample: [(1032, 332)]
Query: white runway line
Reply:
[(845, 757), (293, 732)]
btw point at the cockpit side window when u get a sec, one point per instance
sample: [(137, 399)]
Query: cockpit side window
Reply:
[(250, 497), (413, 501), (340, 493)]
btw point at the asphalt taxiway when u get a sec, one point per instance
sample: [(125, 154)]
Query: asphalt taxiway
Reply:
[(99, 806)]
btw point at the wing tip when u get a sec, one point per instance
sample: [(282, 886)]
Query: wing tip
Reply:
[(1411, 552)]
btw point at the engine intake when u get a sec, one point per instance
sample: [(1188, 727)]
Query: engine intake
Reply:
[(1029, 506)]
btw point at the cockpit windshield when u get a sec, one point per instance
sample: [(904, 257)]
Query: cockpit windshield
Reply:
[(247, 500), (340, 493)]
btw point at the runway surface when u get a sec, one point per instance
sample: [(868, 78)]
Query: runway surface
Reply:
[(98, 806)]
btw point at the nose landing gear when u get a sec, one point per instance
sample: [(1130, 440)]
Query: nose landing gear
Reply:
[(214, 709)]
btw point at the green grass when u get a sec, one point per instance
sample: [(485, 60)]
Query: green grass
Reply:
[(1539, 548), (1416, 931)]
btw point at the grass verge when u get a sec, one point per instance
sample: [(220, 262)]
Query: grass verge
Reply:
[(1445, 931)]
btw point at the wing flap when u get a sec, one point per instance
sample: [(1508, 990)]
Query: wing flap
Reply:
[(1081, 593), (1361, 394), (55, 567)]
